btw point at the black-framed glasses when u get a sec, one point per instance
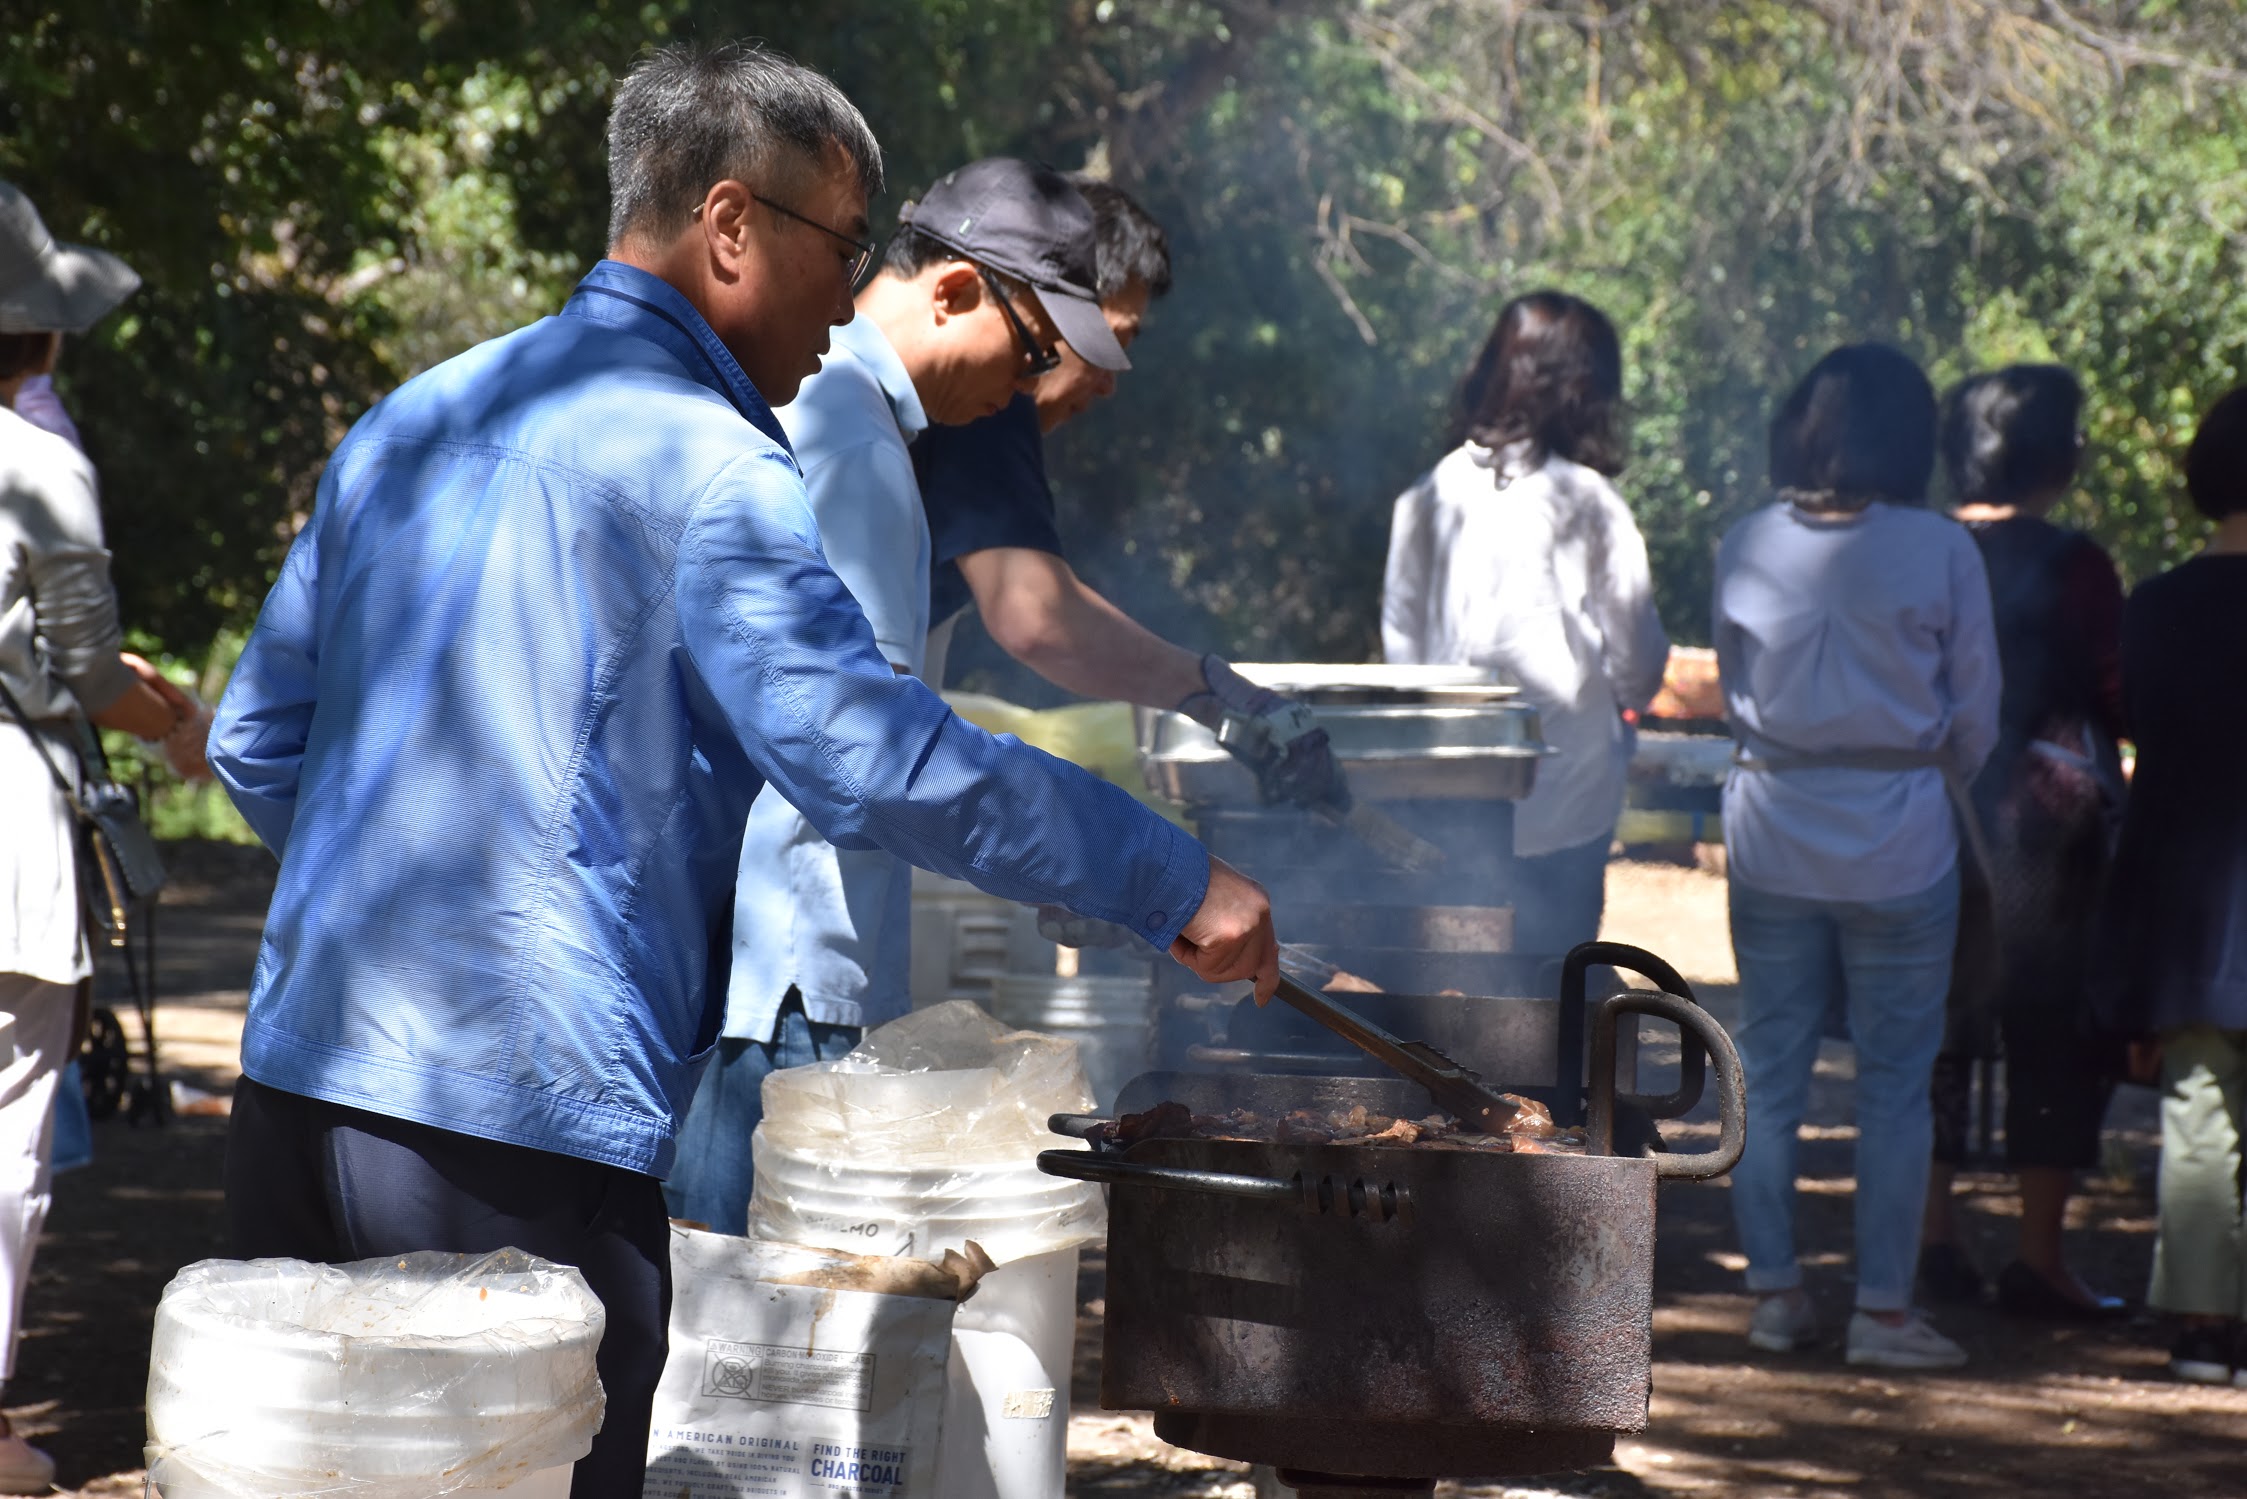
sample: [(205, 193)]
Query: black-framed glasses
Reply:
[(1037, 358), (865, 248)]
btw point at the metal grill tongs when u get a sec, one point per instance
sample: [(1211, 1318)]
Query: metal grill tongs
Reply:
[(1457, 1091), (1386, 836)]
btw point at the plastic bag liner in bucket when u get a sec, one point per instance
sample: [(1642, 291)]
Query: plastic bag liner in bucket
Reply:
[(924, 1137), (1110, 1017), (402, 1378)]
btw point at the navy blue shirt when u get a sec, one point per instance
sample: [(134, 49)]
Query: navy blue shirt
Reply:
[(983, 486)]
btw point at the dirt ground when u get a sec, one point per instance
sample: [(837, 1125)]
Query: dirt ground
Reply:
[(2070, 1412)]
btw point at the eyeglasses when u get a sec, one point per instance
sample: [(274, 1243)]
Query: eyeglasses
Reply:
[(858, 262), (1037, 359)]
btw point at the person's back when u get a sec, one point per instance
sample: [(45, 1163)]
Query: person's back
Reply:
[(1853, 636), (1521, 556), (2039, 608), (1834, 634), (1516, 552), (477, 532), (2171, 961), (2011, 443), (2180, 881)]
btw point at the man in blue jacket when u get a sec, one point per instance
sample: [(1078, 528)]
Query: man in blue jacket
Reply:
[(560, 612)]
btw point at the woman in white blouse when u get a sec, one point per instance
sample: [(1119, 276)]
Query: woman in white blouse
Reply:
[(1516, 552)]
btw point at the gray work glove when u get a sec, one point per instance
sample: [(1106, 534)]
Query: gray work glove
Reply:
[(1065, 928), (1275, 737)]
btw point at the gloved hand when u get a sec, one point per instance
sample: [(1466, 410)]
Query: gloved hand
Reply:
[(1065, 928), (1274, 736)]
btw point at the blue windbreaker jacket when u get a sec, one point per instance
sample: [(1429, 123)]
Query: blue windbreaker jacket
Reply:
[(559, 613)]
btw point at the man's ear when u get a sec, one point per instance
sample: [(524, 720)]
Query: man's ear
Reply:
[(725, 227), (956, 291)]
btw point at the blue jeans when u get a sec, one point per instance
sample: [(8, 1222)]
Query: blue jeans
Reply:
[(712, 1178), (1890, 963), (1559, 897), (74, 1126)]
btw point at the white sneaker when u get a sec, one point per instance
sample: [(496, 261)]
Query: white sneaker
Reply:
[(24, 1469), (1912, 1345), (1783, 1323)]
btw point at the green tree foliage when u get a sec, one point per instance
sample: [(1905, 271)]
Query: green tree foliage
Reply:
[(1741, 185), (327, 195)]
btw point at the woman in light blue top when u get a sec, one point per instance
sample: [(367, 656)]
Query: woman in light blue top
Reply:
[(1854, 637)]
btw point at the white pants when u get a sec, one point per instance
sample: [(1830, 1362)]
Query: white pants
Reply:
[(34, 1033)]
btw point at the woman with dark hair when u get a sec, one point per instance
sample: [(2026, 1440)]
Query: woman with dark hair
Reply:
[(1516, 552), (2172, 958), (2046, 800), (1860, 676)]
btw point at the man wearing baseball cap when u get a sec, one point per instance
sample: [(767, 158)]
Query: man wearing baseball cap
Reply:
[(998, 549), (989, 271)]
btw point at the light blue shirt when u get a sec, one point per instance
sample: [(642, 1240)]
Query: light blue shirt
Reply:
[(835, 924), (559, 614), (1851, 632)]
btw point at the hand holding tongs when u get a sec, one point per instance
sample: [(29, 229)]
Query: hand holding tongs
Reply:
[(1457, 1091)]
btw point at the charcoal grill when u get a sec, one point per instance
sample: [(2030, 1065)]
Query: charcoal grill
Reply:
[(1369, 1319)]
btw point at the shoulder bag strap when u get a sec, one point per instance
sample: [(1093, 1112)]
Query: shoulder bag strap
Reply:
[(62, 782)]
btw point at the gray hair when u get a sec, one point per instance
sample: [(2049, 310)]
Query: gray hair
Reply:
[(686, 117)]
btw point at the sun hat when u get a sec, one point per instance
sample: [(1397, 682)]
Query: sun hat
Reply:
[(47, 287), (1028, 222)]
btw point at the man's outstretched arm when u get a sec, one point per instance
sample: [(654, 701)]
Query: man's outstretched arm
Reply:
[(876, 760), (1046, 617)]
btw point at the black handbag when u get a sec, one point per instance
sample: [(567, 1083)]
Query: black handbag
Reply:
[(121, 866)]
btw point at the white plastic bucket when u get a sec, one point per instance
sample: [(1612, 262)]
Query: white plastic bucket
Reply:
[(1006, 1389), (1012, 1209), (546, 1483), (406, 1378), (1110, 1018), (1006, 1392), (926, 1137)]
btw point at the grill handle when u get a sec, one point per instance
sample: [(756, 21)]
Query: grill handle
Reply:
[(1694, 1023), (1345, 1199), (1111, 1171), (1575, 1010)]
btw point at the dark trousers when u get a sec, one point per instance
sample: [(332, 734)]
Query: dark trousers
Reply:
[(316, 1181)]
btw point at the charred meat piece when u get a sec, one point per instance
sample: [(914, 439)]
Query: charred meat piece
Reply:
[(1531, 1118), (1165, 1121), (1392, 1132)]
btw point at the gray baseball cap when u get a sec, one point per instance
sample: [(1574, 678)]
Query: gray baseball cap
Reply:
[(47, 287), (1028, 222)]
